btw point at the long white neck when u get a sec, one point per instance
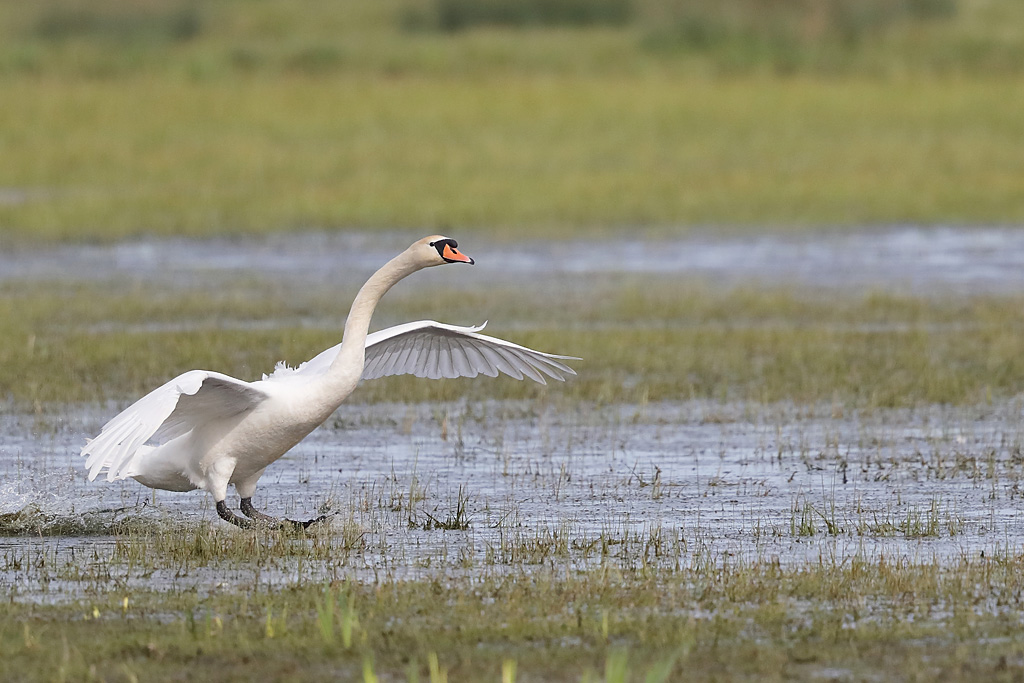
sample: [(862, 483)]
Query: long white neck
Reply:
[(353, 346)]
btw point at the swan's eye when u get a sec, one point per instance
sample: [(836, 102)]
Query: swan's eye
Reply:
[(441, 245), (432, 244)]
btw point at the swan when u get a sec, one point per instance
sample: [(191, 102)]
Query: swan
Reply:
[(206, 430)]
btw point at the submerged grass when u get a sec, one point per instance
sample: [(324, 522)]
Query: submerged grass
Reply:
[(565, 569), (640, 342)]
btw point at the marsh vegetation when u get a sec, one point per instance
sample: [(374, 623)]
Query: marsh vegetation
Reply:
[(744, 480), (653, 339), (764, 470), (740, 540)]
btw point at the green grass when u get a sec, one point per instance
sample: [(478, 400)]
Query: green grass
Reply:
[(251, 117), (741, 621), (673, 341), (98, 160)]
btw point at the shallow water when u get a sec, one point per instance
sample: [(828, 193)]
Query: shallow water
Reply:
[(922, 260), (627, 486), (539, 484)]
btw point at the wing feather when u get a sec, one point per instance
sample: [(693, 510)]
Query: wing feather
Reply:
[(445, 366), (390, 357), (526, 366), (478, 360), (431, 358), (171, 410), (460, 359), (496, 357), (431, 349), (408, 355)]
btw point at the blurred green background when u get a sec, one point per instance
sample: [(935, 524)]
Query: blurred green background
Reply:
[(556, 117)]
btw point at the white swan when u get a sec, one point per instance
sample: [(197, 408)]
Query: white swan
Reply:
[(204, 430)]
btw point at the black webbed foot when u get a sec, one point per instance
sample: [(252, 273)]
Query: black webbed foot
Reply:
[(252, 513), (308, 523), (229, 516)]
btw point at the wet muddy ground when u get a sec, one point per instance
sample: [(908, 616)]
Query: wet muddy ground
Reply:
[(502, 487)]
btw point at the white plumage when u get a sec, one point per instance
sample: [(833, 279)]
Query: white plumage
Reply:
[(435, 350), (207, 430), (164, 414)]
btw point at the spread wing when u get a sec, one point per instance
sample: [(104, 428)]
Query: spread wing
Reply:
[(174, 409), (435, 350)]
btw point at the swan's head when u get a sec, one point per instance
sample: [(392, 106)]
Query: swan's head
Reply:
[(438, 250)]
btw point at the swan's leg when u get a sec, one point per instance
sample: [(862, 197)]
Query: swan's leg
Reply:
[(229, 516), (247, 488), (216, 483)]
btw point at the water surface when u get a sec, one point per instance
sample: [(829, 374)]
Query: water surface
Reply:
[(921, 260), (627, 486)]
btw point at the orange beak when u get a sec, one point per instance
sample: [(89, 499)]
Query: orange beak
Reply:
[(455, 256)]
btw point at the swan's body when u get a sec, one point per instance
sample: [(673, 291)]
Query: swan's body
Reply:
[(205, 430)]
